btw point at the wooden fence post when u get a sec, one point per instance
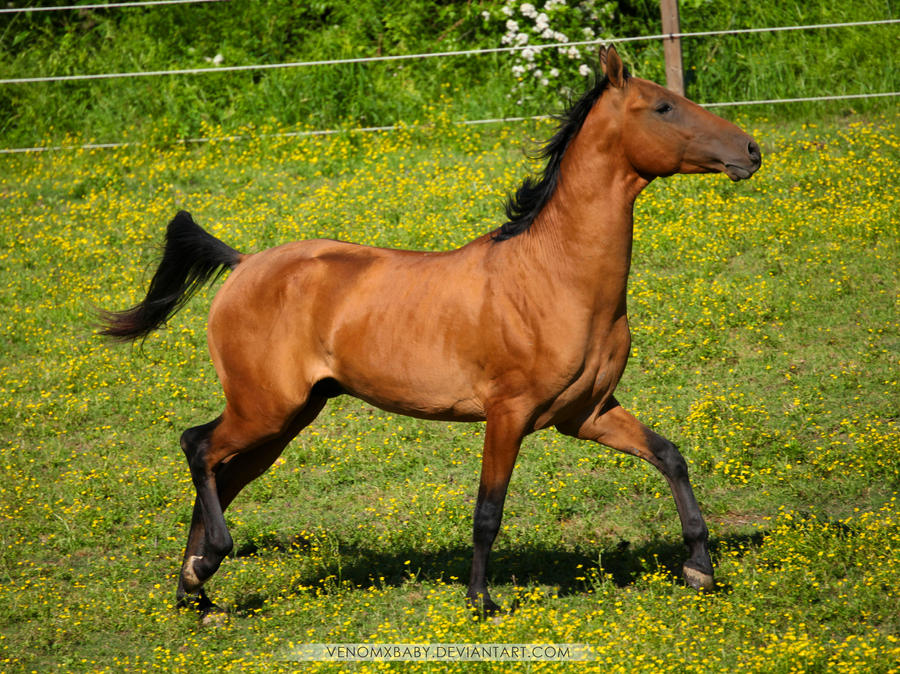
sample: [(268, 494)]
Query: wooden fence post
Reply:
[(672, 46)]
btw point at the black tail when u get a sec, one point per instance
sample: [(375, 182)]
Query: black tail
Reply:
[(191, 258)]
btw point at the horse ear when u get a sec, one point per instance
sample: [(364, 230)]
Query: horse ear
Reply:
[(612, 66)]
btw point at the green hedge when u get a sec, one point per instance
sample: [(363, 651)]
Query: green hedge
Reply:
[(803, 63)]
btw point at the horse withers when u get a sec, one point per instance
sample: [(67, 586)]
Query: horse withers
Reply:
[(523, 328)]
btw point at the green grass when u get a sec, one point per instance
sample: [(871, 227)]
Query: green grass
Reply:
[(765, 344)]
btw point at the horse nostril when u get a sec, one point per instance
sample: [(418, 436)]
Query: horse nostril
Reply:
[(755, 154)]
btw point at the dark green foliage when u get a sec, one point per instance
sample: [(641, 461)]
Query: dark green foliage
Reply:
[(743, 67)]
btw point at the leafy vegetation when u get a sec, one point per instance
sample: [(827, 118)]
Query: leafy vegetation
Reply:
[(765, 343), (745, 67)]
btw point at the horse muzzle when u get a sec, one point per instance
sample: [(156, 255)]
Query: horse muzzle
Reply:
[(746, 166)]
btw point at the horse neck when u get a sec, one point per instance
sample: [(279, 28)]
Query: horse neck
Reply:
[(587, 225)]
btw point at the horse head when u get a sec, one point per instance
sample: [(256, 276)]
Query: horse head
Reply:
[(663, 133)]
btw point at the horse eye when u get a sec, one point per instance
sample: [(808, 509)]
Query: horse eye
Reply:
[(663, 108)]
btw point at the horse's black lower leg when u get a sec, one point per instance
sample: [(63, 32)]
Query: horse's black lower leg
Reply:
[(503, 437), (486, 524), (217, 542), (198, 598), (616, 428), (698, 571), (231, 476), (213, 542)]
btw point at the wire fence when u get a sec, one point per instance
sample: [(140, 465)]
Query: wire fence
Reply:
[(442, 54), (404, 57), (111, 5), (396, 127)]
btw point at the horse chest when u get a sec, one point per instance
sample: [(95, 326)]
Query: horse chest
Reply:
[(580, 375)]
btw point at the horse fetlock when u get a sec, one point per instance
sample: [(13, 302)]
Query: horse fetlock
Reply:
[(220, 547)]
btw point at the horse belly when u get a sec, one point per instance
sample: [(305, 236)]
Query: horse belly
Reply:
[(404, 337), (400, 362), (405, 397)]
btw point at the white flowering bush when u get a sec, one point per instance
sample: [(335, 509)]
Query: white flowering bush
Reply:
[(553, 22)]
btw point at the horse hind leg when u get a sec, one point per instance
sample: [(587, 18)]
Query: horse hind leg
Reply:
[(208, 540), (203, 453), (191, 442)]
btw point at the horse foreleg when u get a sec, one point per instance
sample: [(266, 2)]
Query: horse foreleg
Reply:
[(502, 440), (614, 427)]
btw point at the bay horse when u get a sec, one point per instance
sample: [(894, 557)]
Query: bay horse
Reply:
[(523, 328)]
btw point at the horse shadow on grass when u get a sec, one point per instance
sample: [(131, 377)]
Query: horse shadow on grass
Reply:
[(570, 572)]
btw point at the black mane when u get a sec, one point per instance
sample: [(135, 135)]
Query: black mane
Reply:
[(534, 193)]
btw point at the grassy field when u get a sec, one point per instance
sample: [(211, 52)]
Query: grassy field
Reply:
[(766, 345)]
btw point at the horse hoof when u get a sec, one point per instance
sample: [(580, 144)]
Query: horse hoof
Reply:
[(189, 579), (698, 580), (214, 617), (197, 601), (483, 607)]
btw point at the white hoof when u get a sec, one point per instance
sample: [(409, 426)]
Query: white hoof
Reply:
[(215, 619), (189, 576), (698, 580)]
